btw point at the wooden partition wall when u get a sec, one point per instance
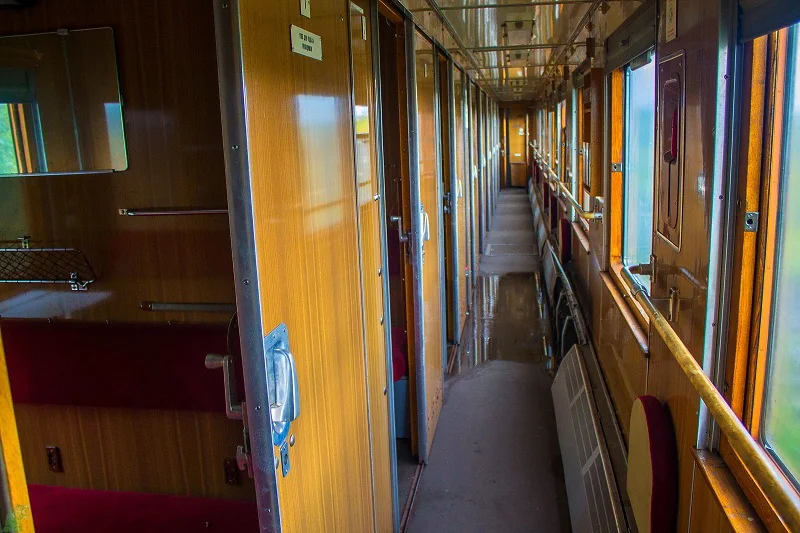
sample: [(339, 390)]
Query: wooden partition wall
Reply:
[(369, 190), (174, 144), (141, 441)]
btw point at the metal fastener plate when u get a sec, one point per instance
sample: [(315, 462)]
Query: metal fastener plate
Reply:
[(751, 221)]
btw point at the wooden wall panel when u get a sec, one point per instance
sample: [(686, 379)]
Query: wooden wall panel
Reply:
[(368, 186), (620, 349), (698, 34), (163, 452), (299, 122), (707, 518), (173, 134), (519, 174)]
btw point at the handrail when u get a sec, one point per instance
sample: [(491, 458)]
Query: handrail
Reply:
[(563, 191), (778, 490), (169, 211), (587, 215)]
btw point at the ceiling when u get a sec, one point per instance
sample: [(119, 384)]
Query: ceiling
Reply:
[(514, 48)]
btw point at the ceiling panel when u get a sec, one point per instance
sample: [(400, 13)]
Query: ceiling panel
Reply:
[(513, 48)]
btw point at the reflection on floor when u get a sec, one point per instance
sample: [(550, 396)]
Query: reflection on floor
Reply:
[(495, 464)]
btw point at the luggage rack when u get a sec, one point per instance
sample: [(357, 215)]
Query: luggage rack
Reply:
[(20, 262)]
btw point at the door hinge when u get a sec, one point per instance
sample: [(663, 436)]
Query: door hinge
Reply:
[(616, 167)]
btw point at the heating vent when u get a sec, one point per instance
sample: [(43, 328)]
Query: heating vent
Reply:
[(594, 504)]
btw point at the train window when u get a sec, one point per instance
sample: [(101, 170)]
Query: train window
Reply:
[(781, 407), (8, 152), (762, 372), (638, 162)]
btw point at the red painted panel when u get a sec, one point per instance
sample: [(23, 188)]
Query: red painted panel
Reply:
[(116, 365), (63, 510)]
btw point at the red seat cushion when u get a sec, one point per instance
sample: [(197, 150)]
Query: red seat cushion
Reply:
[(65, 510), (652, 466)]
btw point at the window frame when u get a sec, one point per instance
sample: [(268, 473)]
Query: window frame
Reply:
[(759, 178), (616, 89)]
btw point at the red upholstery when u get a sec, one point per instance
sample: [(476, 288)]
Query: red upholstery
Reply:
[(565, 241), (118, 365), (63, 510), (399, 354)]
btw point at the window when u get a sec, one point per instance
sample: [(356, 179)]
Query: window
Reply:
[(638, 165), (8, 151), (762, 367), (780, 431)]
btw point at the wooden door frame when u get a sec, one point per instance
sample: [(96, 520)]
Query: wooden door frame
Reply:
[(415, 245), (245, 267), (455, 239), (379, 7)]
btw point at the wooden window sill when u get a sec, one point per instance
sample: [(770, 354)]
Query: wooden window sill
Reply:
[(633, 305), (731, 499), (636, 328), (582, 237)]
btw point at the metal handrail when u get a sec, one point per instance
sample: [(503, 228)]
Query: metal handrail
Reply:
[(169, 211), (778, 490), (563, 191), (587, 215)]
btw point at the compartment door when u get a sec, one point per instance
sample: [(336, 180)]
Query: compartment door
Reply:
[(427, 234), (285, 95)]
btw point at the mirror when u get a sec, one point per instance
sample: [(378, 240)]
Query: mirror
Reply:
[(60, 107)]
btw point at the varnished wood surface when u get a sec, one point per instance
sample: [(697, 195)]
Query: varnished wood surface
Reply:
[(299, 122), (620, 352), (430, 196), (759, 180), (730, 510), (133, 450), (173, 136), (368, 187), (707, 518), (12, 456), (698, 34), (517, 146)]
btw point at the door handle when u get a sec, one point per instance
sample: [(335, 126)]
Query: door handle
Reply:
[(282, 386), (286, 407), (233, 407), (426, 227), (400, 233)]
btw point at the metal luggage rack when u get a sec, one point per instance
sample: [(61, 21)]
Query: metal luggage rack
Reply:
[(21, 262)]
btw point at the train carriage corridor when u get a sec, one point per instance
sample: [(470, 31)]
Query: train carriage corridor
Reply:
[(495, 463)]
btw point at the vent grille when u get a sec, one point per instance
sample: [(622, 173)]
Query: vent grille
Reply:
[(591, 487)]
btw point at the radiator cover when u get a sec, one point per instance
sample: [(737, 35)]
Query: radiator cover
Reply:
[(594, 502)]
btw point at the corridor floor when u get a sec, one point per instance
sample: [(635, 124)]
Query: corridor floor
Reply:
[(495, 464)]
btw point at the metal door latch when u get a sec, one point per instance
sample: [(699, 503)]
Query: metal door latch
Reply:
[(283, 388), (234, 409), (402, 235)]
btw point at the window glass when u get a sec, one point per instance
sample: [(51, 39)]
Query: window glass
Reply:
[(639, 165), (8, 154), (781, 422)]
